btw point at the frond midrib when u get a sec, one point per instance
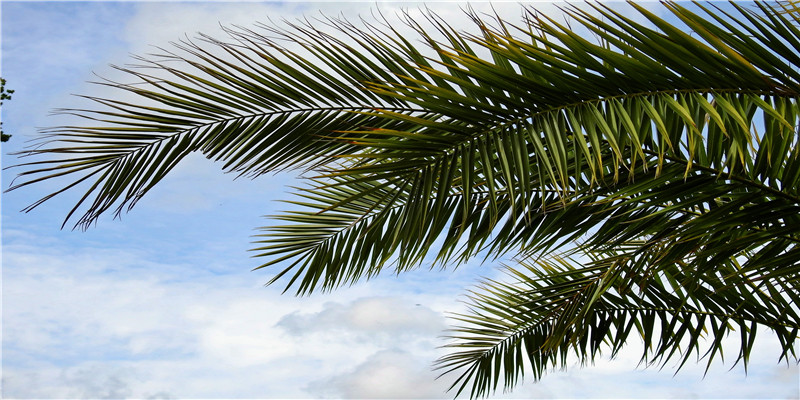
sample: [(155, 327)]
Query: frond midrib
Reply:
[(216, 122)]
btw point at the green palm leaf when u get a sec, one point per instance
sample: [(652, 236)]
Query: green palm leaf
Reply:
[(558, 308)]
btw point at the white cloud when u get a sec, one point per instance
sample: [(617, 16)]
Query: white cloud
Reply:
[(119, 311), (387, 374), (372, 315), (89, 382), (115, 322)]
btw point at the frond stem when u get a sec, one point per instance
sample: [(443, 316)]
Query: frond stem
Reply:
[(731, 176)]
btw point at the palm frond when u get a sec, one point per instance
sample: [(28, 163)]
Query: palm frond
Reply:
[(258, 108), (559, 311)]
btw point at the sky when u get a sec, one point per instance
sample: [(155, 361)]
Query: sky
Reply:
[(163, 303)]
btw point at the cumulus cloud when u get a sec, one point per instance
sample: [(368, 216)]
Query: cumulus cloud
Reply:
[(387, 374), (372, 315)]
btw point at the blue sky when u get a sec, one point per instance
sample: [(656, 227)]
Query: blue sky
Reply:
[(163, 303)]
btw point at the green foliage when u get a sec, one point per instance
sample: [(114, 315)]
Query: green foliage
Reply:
[(4, 95), (647, 183)]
